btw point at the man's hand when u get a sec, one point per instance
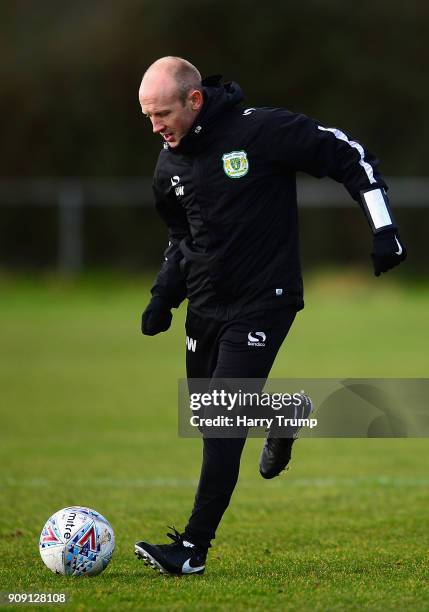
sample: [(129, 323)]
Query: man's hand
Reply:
[(388, 251), (157, 316)]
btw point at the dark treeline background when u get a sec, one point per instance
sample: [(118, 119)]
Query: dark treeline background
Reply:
[(70, 73)]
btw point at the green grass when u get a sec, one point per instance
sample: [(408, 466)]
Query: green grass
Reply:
[(88, 417)]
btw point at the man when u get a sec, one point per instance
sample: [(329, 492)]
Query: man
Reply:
[(225, 186)]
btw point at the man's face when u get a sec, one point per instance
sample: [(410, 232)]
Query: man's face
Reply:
[(170, 117)]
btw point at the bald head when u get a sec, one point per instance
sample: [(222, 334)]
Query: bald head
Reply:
[(174, 75), (171, 95)]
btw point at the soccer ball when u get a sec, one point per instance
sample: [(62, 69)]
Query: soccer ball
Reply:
[(77, 541)]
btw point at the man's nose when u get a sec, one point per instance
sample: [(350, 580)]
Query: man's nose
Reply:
[(157, 126)]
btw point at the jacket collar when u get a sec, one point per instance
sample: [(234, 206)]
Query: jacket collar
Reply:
[(218, 98)]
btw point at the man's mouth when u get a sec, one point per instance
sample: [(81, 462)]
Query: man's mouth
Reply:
[(168, 136)]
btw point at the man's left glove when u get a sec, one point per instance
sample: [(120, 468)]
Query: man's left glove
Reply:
[(157, 316), (388, 251)]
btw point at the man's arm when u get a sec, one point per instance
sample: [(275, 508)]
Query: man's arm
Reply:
[(169, 288), (304, 144)]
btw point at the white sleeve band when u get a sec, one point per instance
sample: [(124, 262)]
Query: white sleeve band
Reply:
[(377, 207)]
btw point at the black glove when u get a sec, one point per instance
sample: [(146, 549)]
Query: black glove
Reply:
[(157, 316), (388, 251)]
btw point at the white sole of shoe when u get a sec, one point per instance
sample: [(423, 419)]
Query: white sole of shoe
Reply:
[(141, 553)]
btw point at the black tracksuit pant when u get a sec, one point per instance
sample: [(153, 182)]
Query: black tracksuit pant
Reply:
[(222, 351)]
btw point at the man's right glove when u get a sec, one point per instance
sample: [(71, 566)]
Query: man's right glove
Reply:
[(157, 316), (388, 251)]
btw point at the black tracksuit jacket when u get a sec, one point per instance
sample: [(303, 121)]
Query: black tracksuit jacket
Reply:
[(227, 194)]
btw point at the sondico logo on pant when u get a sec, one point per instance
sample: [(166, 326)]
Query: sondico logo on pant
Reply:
[(191, 344), (256, 339)]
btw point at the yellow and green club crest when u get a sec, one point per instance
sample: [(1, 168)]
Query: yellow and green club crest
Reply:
[(235, 164)]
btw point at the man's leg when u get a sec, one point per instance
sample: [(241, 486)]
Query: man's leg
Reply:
[(185, 556), (236, 358), (221, 350)]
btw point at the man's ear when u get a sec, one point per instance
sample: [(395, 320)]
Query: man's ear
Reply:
[(196, 99)]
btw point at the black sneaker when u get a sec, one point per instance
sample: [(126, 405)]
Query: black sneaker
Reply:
[(178, 558), (277, 452), (275, 456)]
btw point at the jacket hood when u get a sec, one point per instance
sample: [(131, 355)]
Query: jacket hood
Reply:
[(218, 98)]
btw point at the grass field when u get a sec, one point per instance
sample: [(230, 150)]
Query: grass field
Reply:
[(89, 417)]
